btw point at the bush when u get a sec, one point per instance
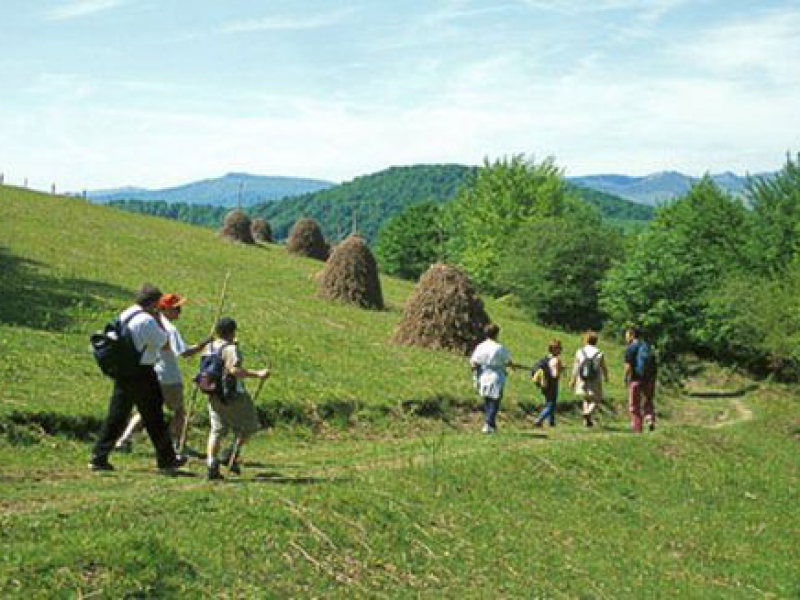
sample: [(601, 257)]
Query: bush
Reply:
[(555, 266)]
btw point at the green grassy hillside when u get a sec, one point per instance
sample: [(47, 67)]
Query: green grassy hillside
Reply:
[(385, 504)]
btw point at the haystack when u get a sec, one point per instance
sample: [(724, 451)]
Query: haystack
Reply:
[(444, 312), (306, 239), (236, 227), (351, 275), (261, 230)]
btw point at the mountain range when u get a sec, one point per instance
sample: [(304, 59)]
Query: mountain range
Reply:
[(248, 190), (229, 190)]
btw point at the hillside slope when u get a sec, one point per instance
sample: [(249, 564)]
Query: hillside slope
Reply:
[(351, 494), (70, 266)]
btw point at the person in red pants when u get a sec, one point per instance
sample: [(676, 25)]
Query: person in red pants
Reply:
[(640, 375)]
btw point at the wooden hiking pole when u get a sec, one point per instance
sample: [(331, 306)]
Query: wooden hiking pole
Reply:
[(192, 402), (236, 442)]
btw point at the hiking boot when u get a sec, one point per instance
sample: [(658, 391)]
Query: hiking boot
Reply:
[(124, 447), (100, 464), (214, 474), (651, 427), (235, 469), (176, 464), (587, 421)]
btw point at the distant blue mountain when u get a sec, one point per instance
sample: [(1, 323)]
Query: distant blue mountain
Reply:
[(222, 191), (658, 187)]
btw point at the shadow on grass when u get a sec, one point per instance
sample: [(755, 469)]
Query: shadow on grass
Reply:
[(78, 427), (33, 298), (279, 478)]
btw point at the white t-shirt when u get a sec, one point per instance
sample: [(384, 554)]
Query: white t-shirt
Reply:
[(167, 369), (492, 358), (148, 337)]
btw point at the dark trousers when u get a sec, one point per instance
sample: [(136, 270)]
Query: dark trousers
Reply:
[(491, 407), (143, 392)]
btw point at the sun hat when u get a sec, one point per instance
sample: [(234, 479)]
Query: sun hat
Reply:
[(171, 301)]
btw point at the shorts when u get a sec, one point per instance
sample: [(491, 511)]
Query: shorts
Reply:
[(173, 396), (238, 414)]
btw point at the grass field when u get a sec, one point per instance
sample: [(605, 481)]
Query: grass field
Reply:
[(353, 492)]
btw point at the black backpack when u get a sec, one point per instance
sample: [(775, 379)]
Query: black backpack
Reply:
[(543, 365), (587, 370), (114, 350), (212, 378)]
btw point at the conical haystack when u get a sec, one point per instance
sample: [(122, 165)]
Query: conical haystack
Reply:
[(444, 312), (306, 239), (261, 230), (351, 275), (236, 227)]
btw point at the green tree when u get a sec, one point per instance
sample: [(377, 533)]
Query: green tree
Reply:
[(503, 196), (412, 241), (554, 266), (664, 283), (776, 211)]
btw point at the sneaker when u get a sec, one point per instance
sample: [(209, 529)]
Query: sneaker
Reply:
[(235, 469), (587, 421), (651, 427), (100, 464), (214, 474), (488, 429), (537, 423), (124, 447)]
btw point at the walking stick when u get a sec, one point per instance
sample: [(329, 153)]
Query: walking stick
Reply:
[(192, 402), (237, 442)]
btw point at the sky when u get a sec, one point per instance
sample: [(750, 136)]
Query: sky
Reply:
[(152, 93)]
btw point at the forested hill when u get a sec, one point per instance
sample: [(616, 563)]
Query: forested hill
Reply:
[(370, 201), (228, 190)]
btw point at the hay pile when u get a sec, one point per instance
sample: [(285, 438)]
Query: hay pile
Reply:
[(351, 275), (236, 227), (443, 312), (261, 231), (306, 239)]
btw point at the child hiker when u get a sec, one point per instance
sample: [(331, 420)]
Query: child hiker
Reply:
[(551, 366), (230, 407)]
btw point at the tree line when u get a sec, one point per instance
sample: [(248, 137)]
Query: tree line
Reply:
[(711, 274)]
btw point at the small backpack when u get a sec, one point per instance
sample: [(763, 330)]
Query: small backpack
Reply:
[(588, 370), (114, 350), (540, 373), (212, 378), (645, 367)]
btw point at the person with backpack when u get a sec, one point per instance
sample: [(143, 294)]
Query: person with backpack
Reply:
[(489, 362), (167, 370), (230, 407), (588, 373), (640, 376), (546, 373), (136, 384)]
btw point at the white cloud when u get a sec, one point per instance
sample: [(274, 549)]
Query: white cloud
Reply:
[(290, 23), (81, 8), (767, 45)]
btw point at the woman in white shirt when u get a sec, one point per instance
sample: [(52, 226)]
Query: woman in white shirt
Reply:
[(489, 363)]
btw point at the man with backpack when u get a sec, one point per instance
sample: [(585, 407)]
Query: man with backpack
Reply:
[(137, 385), (230, 407), (588, 373), (640, 375), (167, 370)]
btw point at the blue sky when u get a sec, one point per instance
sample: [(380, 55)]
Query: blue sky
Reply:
[(103, 93)]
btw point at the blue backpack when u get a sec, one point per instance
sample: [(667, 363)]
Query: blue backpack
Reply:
[(114, 350), (645, 367), (212, 378)]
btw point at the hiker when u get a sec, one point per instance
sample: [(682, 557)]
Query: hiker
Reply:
[(549, 369), (489, 362), (231, 407), (168, 372), (141, 389), (640, 376), (588, 373)]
